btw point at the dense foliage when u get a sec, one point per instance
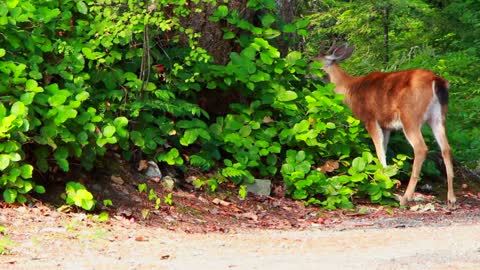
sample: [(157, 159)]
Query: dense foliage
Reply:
[(79, 78)]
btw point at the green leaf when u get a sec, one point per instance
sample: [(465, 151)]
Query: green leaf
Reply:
[(27, 98), (21, 198), (61, 153), (271, 33), (358, 177), (108, 131), (12, 3), (359, 164), (229, 35), (287, 96), (300, 156), (265, 57), (268, 19), (2, 52), (221, 11), (9, 195), (137, 138), (26, 171), (18, 108), (82, 7), (39, 189), (82, 96), (293, 57), (120, 121), (189, 137), (4, 161)]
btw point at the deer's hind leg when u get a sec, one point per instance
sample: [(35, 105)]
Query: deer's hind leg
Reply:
[(438, 128), (414, 136)]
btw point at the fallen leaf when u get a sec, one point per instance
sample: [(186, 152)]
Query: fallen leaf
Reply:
[(141, 239), (142, 165), (155, 179), (423, 208), (329, 166), (117, 179), (267, 120), (248, 215), (220, 202)]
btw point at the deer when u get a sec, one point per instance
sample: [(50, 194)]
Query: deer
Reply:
[(389, 101)]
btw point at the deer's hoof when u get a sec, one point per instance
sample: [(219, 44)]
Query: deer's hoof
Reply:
[(452, 202)]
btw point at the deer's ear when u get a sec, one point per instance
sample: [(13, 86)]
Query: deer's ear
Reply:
[(340, 51), (343, 52)]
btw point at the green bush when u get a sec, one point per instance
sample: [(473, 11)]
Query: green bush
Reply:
[(80, 76)]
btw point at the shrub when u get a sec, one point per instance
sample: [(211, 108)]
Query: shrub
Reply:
[(80, 76)]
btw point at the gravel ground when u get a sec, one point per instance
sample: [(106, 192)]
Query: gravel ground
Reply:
[(42, 239)]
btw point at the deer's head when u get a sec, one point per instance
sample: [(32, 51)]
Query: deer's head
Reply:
[(334, 55)]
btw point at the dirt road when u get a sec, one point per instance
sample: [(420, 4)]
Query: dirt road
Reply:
[(75, 243)]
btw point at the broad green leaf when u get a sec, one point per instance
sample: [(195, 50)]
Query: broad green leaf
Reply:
[(27, 187), (26, 171), (359, 164), (221, 11), (39, 189), (358, 177), (61, 153), (82, 96), (21, 198), (286, 96), (266, 58), (82, 7), (271, 33), (18, 108), (9, 195), (229, 35), (12, 3), (293, 57), (63, 164), (137, 138), (4, 161), (108, 131), (27, 98), (120, 121), (245, 131), (300, 156), (2, 52), (268, 19), (301, 127), (189, 137)]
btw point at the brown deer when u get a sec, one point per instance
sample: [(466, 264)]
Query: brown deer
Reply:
[(402, 100)]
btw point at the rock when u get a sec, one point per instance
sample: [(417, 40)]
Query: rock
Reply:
[(426, 188), (153, 172), (168, 183), (260, 187)]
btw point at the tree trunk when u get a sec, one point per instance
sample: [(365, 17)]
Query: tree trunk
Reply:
[(212, 32)]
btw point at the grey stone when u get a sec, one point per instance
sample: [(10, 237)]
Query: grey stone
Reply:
[(153, 171), (260, 187)]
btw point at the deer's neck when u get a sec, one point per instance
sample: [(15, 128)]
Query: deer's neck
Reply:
[(340, 78)]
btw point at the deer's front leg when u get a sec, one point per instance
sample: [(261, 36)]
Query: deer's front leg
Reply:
[(415, 138), (380, 140)]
